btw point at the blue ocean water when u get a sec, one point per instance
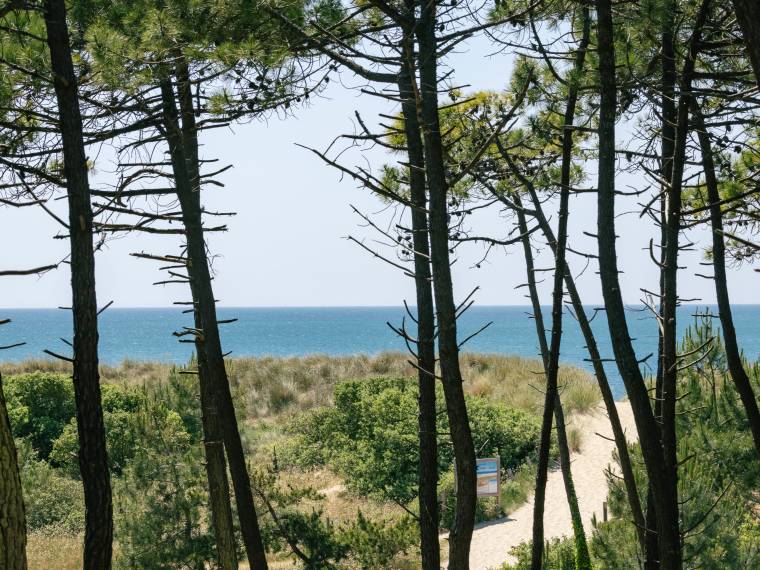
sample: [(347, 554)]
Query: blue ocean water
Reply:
[(146, 334)]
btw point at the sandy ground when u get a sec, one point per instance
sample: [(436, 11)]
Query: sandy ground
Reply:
[(492, 541)]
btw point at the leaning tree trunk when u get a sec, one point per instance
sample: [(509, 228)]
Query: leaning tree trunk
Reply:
[(559, 416), (550, 354), (448, 349), (733, 354), (427, 425), (12, 516), (748, 16), (666, 502), (93, 459), (595, 357), (205, 304), (213, 440)]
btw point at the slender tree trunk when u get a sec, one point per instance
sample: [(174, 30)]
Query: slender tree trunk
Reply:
[(550, 355), (552, 372), (582, 556), (206, 307), (595, 357), (667, 143), (748, 16), (670, 549), (93, 459), (12, 515), (448, 349), (216, 469), (666, 502), (733, 354), (428, 433)]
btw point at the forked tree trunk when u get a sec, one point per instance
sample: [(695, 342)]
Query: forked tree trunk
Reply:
[(428, 433), (748, 16), (733, 354), (12, 516), (550, 354), (559, 416), (93, 459), (621, 443), (448, 349), (213, 443), (665, 501), (206, 306)]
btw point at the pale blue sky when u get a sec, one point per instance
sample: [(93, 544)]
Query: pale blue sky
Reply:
[(287, 248)]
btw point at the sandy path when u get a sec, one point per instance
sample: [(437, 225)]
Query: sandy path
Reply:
[(492, 541)]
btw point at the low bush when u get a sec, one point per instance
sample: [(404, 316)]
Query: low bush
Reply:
[(370, 436)]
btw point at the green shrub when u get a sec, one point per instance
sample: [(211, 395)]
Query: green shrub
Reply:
[(40, 404), (121, 441), (52, 500), (162, 520), (370, 436), (559, 554), (316, 542), (42, 410)]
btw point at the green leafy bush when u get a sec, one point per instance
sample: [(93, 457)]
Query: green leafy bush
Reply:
[(40, 405), (559, 554), (370, 436), (51, 499), (41, 409)]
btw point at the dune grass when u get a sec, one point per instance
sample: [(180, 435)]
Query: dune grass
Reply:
[(51, 549), (270, 386)]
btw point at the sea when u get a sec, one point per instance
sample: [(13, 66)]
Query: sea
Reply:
[(145, 334)]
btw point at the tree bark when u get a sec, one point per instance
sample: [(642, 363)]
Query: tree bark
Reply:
[(665, 501), (93, 459), (12, 515), (428, 433), (559, 416), (621, 443), (205, 304), (748, 16), (733, 354), (550, 354), (216, 468), (448, 349)]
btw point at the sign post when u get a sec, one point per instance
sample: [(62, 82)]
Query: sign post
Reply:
[(488, 477)]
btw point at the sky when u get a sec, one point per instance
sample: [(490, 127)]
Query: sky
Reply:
[(287, 246)]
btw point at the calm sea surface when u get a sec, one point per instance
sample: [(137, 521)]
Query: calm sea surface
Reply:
[(146, 334)]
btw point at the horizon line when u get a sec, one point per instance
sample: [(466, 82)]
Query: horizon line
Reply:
[(400, 306)]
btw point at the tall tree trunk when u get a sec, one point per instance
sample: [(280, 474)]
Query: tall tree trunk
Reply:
[(748, 16), (216, 467), (428, 433), (448, 349), (669, 548), (93, 459), (667, 144), (665, 501), (582, 556), (595, 357), (550, 354), (12, 515), (205, 304), (733, 354), (551, 400)]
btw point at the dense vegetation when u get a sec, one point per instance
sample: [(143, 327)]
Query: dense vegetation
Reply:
[(720, 478), (153, 432)]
